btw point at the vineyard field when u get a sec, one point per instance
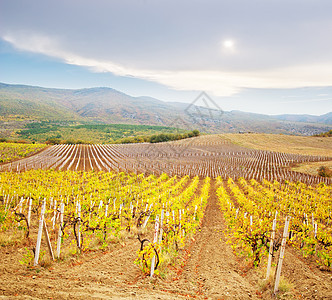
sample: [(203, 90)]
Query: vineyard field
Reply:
[(197, 218), (210, 156), (250, 208), (14, 151), (100, 207)]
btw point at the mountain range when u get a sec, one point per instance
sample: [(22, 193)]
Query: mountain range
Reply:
[(108, 106)]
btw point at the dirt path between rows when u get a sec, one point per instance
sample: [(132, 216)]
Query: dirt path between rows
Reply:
[(211, 270)]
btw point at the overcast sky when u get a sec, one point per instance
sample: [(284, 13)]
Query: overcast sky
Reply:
[(269, 56)]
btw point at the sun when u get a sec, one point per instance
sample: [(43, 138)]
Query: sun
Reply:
[(228, 44)]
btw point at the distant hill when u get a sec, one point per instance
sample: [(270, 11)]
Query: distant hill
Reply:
[(101, 105), (108, 106), (323, 119)]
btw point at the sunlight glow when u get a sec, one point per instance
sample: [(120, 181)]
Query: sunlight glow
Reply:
[(229, 44)]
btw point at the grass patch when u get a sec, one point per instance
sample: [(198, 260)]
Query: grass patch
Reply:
[(305, 145), (312, 168), (13, 239), (284, 285)]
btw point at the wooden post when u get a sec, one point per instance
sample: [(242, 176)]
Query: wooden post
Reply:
[(194, 218), (76, 206), (100, 205), (161, 226), (62, 209), (79, 224), (271, 248), (155, 238), (120, 210), (54, 214), (131, 208), (40, 232), (20, 204), (179, 221), (29, 211), (173, 215), (106, 210), (49, 245), (281, 257), (146, 220)]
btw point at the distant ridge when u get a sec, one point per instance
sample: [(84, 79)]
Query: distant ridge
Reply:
[(323, 119), (105, 105)]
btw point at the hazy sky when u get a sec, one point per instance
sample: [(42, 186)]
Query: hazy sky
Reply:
[(268, 56)]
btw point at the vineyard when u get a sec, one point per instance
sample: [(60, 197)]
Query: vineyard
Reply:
[(86, 211), (251, 207), (14, 151), (200, 217), (203, 156)]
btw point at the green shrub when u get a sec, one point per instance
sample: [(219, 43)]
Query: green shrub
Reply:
[(324, 171)]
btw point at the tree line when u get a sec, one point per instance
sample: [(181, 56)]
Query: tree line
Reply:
[(159, 138)]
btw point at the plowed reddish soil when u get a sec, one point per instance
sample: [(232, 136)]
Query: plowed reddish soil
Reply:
[(206, 269)]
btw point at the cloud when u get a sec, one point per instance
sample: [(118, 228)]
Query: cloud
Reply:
[(217, 82), (222, 47)]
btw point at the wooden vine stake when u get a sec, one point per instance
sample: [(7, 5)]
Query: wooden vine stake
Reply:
[(155, 239), (79, 224), (271, 248), (194, 217), (40, 233), (161, 226), (281, 256), (146, 220), (179, 221), (54, 214), (29, 211), (49, 245), (58, 246)]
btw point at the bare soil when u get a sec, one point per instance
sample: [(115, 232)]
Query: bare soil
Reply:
[(206, 269)]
